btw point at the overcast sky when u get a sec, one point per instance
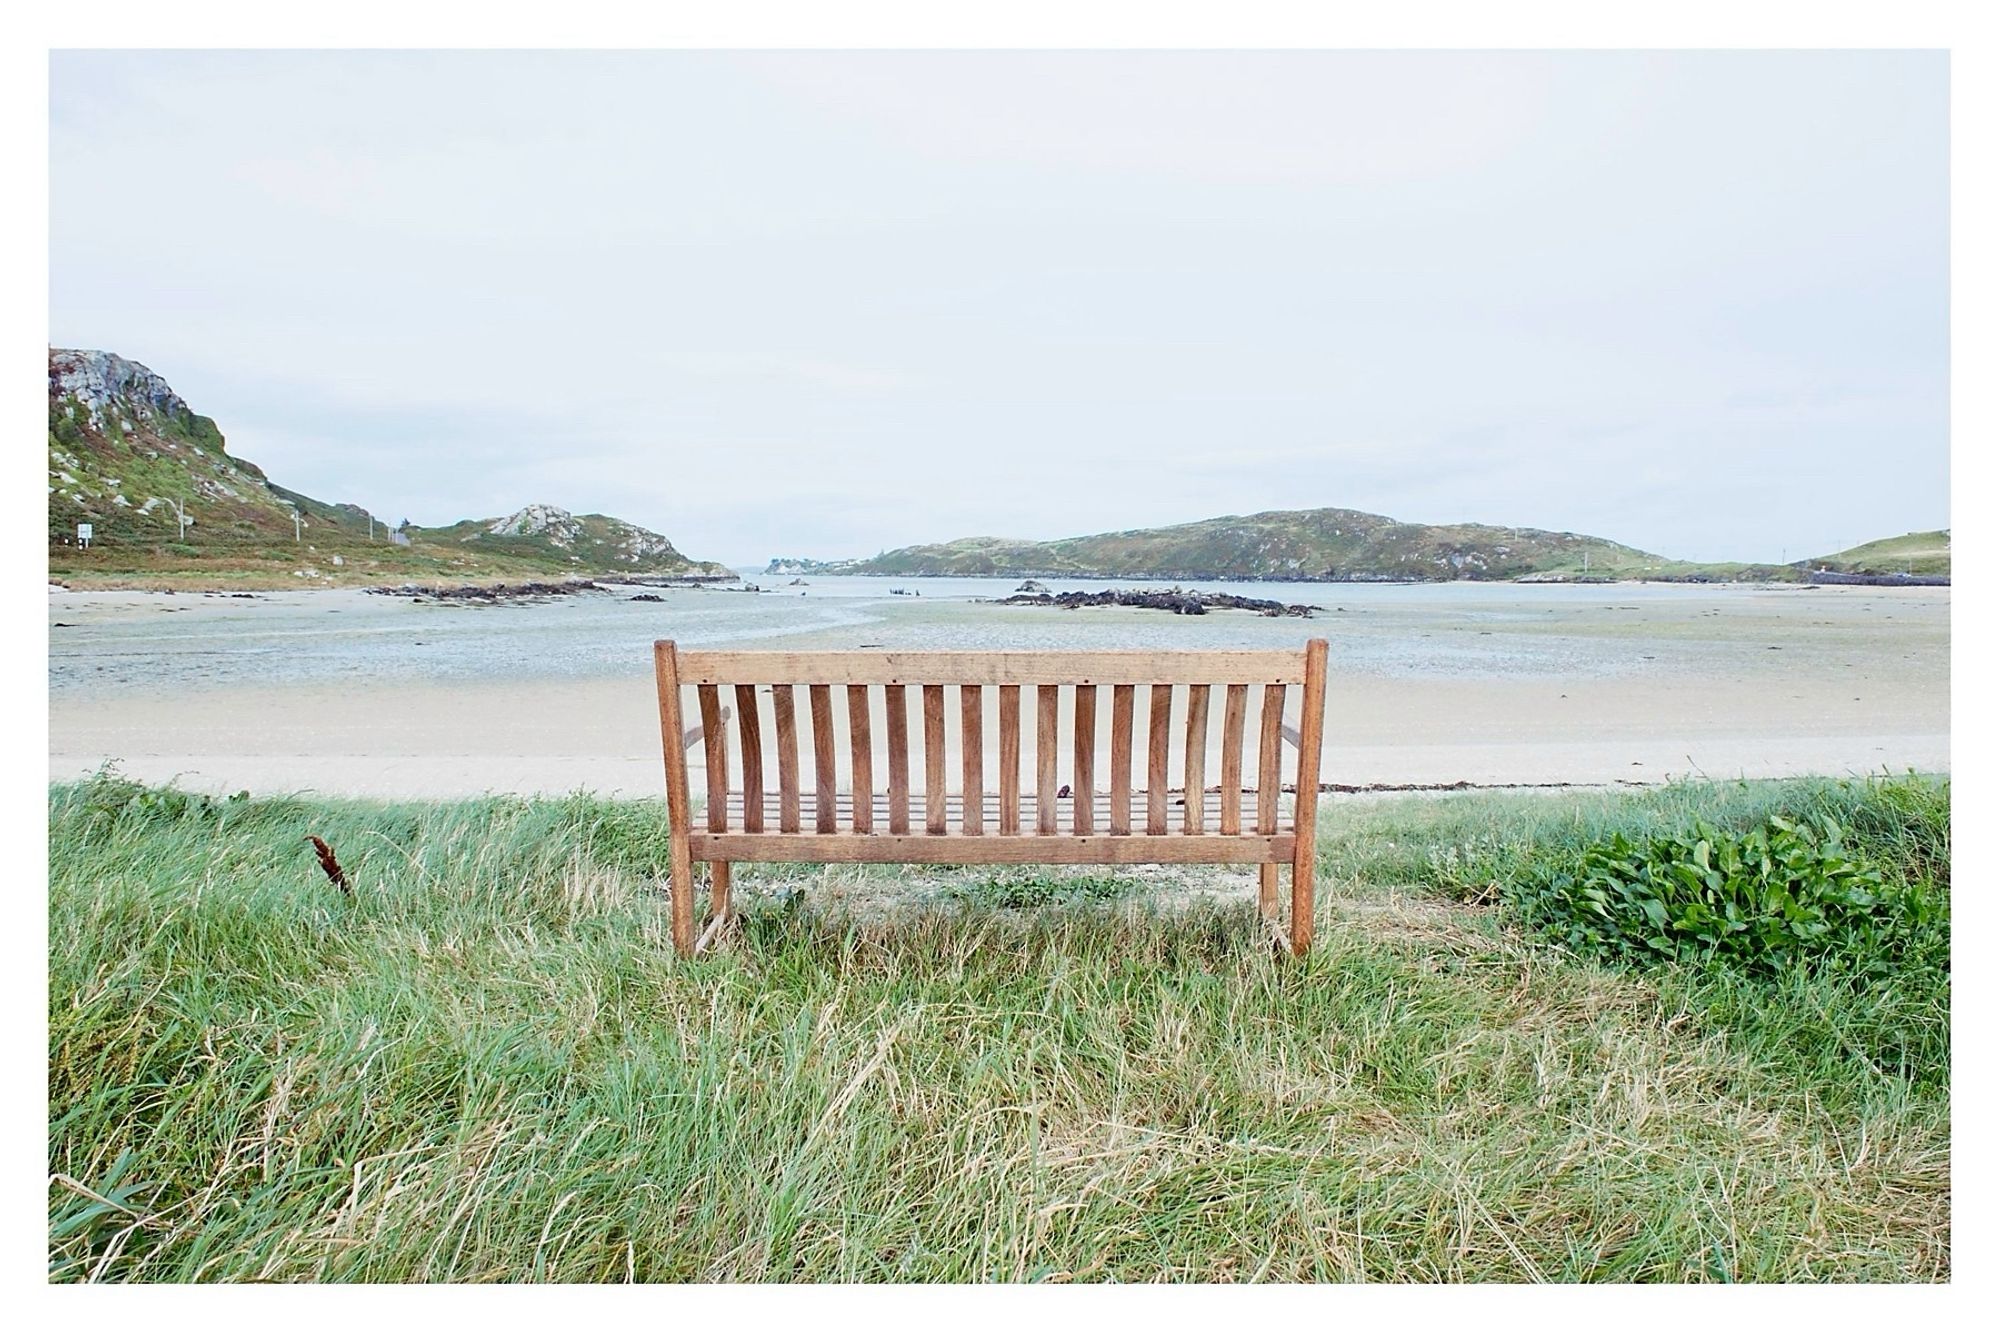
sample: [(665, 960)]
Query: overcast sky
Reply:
[(824, 304)]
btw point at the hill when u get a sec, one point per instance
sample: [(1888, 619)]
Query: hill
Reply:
[(1293, 545), (1911, 553), (168, 504)]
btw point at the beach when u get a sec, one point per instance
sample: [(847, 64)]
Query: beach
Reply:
[(349, 693)]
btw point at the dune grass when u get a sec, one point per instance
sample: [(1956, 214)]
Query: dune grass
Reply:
[(487, 1064)]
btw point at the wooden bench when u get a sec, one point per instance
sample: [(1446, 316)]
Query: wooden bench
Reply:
[(1070, 814)]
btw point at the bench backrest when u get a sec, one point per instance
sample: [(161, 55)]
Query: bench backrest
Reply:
[(1199, 708)]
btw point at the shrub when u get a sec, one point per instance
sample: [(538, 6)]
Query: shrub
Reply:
[(1781, 894)]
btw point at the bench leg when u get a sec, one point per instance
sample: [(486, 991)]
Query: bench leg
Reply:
[(681, 902), (1302, 905), (1267, 891), (718, 889)]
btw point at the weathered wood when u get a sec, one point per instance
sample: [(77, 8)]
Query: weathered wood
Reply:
[(1083, 760), (954, 826), (694, 734), (680, 812), (1010, 759), (1121, 759), (1195, 760), (1235, 705), (787, 721), (715, 758), (972, 757), (751, 732), (824, 774), (1045, 759), (957, 849), (899, 758), (861, 745), (1270, 762), (718, 890), (934, 759), (1157, 720), (1312, 715), (977, 668)]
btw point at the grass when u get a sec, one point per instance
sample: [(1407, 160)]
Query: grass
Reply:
[(489, 1065)]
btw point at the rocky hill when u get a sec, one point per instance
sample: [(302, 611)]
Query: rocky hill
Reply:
[(167, 503), (1291, 545), (593, 542)]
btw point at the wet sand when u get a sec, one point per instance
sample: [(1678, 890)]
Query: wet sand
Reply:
[(1487, 686)]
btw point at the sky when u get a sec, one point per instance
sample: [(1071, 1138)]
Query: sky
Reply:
[(825, 304)]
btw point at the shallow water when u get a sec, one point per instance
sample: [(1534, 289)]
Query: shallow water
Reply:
[(149, 641)]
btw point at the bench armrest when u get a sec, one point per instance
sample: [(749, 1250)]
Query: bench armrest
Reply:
[(692, 736)]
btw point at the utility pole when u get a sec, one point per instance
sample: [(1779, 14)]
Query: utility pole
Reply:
[(180, 516), (298, 526)]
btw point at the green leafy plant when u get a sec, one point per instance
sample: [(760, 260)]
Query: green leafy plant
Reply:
[(1784, 891)]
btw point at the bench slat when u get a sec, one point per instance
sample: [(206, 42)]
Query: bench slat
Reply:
[(1010, 760), (1195, 757), (1045, 759), (898, 712), (979, 668), (934, 759), (1234, 706), (788, 758), (955, 849), (1214, 803), (862, 747), (751, 727), (1158, 715), (1083, 761), (824, 774), (1121, 759), (972, 757), (1269, 758), (715, 752)]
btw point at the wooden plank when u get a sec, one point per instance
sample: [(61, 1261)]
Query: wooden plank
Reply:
[(751, 728), (1267, 892), (1195, 767), (680, 813), (934, 807), (972, 757), (1045, 759), (715, 758), (788, 757), (718, 890), (1157, 721), (1312, 717), (899, 759), (957, 849), (1010, 759), (983, 668), (1083, 761), (1235, 705), (1121, 759), (1270, 762), (862, 746), (824, 774)]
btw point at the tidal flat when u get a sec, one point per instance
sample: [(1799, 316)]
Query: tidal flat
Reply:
[(348, 693)]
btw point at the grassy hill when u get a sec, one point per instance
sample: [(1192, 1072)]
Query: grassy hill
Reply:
[(170, 506), (1308, 544), (1911, 553)]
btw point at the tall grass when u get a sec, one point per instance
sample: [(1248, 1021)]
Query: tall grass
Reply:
[(489, 1065)]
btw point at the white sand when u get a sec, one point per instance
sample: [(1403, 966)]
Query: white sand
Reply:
[(410, 740)]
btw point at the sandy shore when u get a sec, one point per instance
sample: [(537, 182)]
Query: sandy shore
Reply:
[(603, 735), (1726, 685)]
